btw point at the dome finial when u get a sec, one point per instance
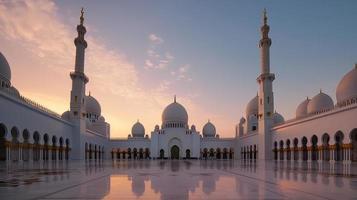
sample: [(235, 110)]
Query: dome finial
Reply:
[(265, 18), (82, 18), (175, 98)]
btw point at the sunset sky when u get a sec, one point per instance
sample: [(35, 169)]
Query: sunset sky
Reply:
[(142, 53)]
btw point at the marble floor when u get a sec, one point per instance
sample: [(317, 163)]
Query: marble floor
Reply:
[(177, 179)]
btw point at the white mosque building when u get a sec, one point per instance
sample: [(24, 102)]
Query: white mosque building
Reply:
[(321, 130)]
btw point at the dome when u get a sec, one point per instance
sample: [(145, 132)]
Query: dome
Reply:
[(347, 87), (138, 130), (92, 105), (301, 110), (320, 102), (252, 107), (5, 71), (278, 118), (65, 115), (175, 112), (209, 130)]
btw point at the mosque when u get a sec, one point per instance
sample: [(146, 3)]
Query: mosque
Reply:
[(322, 129)]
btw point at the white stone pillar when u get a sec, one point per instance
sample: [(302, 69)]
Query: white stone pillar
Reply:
[(7, 153), (20, 154)]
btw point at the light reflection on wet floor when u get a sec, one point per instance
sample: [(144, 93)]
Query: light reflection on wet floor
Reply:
[(184, 179)]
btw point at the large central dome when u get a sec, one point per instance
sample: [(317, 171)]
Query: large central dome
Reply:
[(176, 113)]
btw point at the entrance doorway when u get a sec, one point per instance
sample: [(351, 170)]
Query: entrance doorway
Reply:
[(175, 152)]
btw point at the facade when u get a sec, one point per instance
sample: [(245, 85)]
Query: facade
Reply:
[(322, 129)]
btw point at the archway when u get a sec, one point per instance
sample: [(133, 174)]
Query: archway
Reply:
[(225, 153), (26, 145), (60, 153), (296, 149), (162, 154), (281, 150), (2, 142), (188, 154), (275, 150), (338, 139), (353, 136), (255, 152), (141, 153), (36, 146), (314, 154), (218, 153), (304, 148), (15, 145), (175, 152), (54, 148), (67, 150), (205, 153), (288, 150), (45, 147), (325, 147)]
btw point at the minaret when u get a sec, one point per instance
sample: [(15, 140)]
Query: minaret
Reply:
[(266, 96), (78, 93), (79, 79)]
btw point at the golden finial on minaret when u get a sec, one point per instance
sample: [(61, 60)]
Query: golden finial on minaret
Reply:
[(82, 18)]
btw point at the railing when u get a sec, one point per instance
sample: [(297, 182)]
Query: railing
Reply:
[(32, 103)]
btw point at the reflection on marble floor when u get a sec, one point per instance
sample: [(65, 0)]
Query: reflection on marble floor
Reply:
[(184, 179)]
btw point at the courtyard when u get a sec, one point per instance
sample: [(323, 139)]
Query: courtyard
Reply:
[(178, 179)]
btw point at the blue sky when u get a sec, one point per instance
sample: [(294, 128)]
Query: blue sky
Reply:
[(211, 55)]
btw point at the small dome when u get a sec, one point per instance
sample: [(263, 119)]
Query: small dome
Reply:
[(242, 120), (138, 130), (101, 119), (92, 105), (301, 110), (347, 88), (13, 91), (65, 115), (175, 112), (320, 102), (278, 118), (157, 128), (193, 128), (5, 71), (209, 130), (252, 107)]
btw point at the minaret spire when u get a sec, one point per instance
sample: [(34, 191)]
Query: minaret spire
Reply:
[(265, 18), (82, 18)]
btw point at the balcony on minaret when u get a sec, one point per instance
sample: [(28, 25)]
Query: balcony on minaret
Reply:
[(266, 76), (80, 75)]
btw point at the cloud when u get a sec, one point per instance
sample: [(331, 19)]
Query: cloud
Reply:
[(157, 57), (155, 39), (182, 73)]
